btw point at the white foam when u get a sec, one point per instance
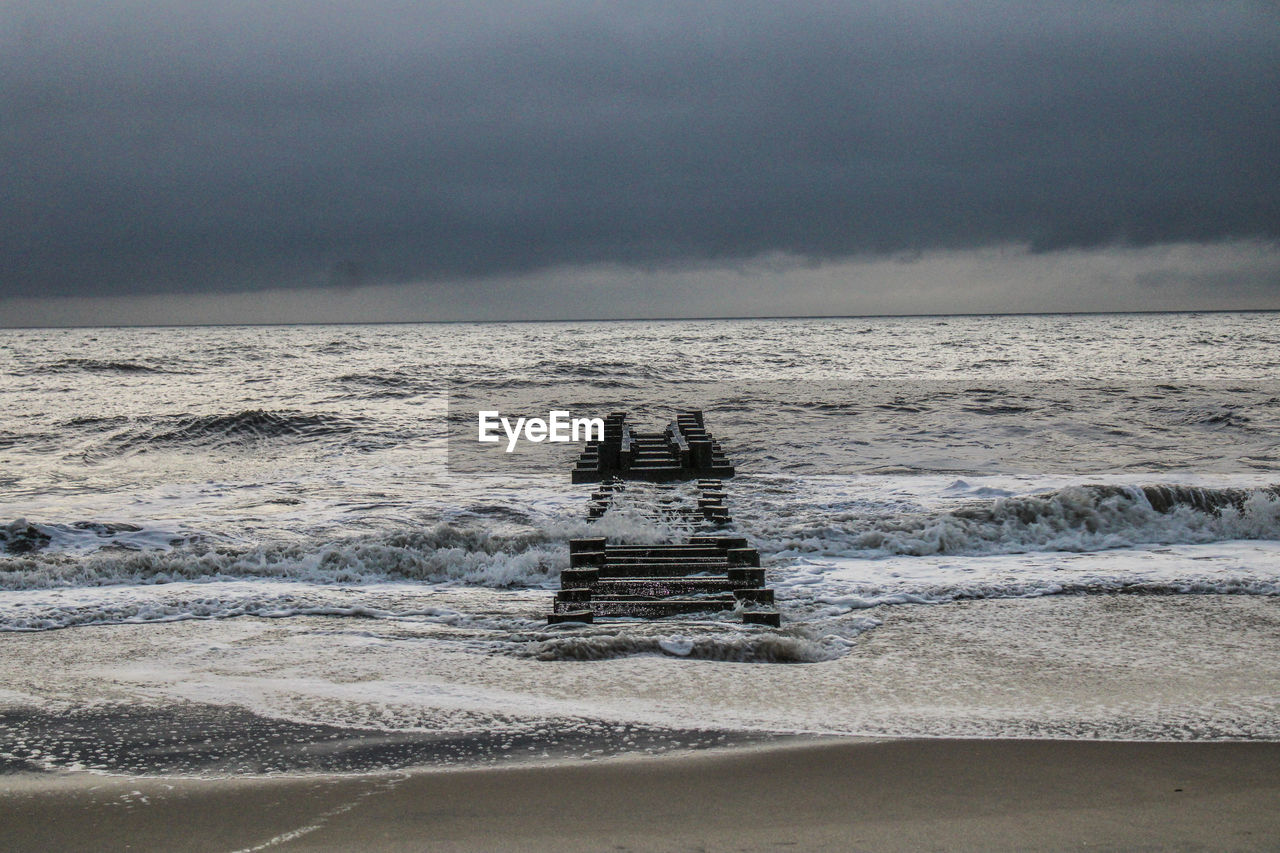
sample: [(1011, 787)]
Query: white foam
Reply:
[(49, 609), (829, 586), (876, 517), (1145, 668)]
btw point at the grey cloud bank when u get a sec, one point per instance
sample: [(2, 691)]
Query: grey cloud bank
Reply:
[(169, 149)]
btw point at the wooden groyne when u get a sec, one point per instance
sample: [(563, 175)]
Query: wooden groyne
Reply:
[(707, 572), (682, 451)]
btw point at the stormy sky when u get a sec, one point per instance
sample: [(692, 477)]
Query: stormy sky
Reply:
[(314, 160)]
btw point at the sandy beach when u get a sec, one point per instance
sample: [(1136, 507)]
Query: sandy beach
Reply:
[(291, 755), (825, 795)]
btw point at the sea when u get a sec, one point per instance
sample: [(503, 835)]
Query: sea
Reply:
[(223, 546)]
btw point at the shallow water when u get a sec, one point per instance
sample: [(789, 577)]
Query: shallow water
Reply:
[(333, 693)]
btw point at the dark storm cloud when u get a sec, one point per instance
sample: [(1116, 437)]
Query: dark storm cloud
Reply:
[(174, 146)]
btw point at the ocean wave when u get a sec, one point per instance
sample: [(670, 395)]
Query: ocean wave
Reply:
[(1218, 415), (485, 544), (340, 346), (96, 423), (1077, 518), (394, 385), (441, 554), (21, 537), (95, 365), (250, 426), (597, 369)]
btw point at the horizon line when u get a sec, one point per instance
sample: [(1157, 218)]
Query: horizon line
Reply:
[(695, 319)]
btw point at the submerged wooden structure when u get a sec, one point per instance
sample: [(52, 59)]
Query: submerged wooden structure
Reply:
[(707, 572)]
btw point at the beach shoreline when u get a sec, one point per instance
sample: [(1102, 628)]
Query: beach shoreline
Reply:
[(833, 794)]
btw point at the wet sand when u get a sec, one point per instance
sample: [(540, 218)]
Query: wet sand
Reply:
[(825, 795)]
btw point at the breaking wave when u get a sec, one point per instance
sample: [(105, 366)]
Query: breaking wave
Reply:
[(442, 554), (1078, 518)]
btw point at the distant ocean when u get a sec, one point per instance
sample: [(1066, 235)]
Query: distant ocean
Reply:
[(886, 465)]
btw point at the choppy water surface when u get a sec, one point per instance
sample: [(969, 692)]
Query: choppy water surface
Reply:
[(161, 474)]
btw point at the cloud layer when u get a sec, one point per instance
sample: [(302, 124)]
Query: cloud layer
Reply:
[(1169, 277), (170, 148)]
